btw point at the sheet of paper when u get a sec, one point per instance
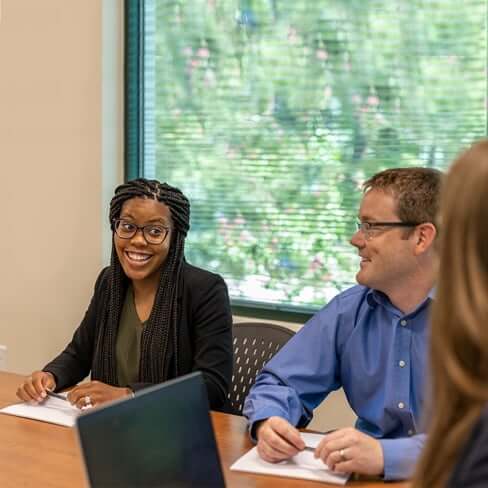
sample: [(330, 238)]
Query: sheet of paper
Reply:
[(52, 410), (302, 466), (311, 440)]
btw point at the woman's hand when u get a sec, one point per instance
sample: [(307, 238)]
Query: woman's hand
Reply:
[(93, 393), (34, 387)]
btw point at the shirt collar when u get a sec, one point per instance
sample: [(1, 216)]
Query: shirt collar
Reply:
[(376, 297)]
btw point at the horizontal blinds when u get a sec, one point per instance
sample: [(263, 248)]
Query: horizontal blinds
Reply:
[(270, 114)]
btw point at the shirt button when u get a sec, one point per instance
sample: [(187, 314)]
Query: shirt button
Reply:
[(401, 405), (410, 432), (401, 363), (403, 323)]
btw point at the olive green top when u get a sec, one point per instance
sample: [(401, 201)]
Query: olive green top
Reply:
[(128, 343)]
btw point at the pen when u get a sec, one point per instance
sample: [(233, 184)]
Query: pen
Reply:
[(56, 395), (314, 446)]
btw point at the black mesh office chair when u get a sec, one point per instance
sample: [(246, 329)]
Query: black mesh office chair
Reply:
[(255, 343)]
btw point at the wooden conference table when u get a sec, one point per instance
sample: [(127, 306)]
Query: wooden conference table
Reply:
[(38, 454)]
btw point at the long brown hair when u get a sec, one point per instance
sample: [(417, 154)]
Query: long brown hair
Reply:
[(459, 337)]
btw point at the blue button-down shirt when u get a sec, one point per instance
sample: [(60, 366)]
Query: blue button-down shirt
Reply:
[(377, 354)]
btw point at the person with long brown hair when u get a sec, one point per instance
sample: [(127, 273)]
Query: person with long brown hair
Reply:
[(456, 450)]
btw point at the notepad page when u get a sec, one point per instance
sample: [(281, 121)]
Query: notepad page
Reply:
[(52, 410), (302, 466)]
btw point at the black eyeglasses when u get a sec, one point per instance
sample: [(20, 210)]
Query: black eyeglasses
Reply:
[(369, 228), (153, 233)]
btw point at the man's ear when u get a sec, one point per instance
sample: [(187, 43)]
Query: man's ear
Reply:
[(424, 235)]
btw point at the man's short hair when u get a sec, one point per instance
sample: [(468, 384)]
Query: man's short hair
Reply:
[(416, 191)]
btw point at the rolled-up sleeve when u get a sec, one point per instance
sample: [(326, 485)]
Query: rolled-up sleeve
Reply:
[(300, 375)]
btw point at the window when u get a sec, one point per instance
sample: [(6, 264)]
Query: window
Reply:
[(269, 114)]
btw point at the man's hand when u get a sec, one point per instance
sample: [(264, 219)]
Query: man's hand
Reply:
[(278, 440), (350, 451), (34, 387), (94, 393)]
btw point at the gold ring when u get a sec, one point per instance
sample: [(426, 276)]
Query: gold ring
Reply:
[(343, 455)]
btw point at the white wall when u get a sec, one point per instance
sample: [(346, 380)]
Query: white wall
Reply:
[(51, 165)]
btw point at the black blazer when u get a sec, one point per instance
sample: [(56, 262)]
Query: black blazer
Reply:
[(204, 335), (471, 470)]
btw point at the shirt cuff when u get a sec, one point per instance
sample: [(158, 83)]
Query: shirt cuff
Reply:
[(400, 456)]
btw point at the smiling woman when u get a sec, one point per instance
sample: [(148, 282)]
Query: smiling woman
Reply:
[(152, 317), (142, 254)]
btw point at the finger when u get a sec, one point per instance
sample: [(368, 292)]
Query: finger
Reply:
[(269, 454), (97, 391), (287, 432), (38, 384), (333, 436), (348, 466), (334, 458), (49, 382), (79, 399), (76, 395), (79, 391), (72, 396), (329, 444), (328, 447), (31, 391), (85, 401), (22, 394), (278, 444), (334, 440)]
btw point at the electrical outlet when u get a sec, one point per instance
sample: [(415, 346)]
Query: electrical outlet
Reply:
[(3, 357)]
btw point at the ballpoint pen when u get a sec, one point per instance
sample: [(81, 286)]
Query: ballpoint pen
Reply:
[(56, 395), (312, 447)]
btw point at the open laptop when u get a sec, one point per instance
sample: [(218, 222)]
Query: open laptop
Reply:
[(162, 437)]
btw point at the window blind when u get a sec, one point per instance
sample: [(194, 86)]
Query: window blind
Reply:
[(269, 115)]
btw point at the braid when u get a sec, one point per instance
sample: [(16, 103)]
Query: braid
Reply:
[(162, 192), (161, 328)]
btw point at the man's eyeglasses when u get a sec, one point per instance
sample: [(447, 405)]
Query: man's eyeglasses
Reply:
[(369, 229), (153, 233)]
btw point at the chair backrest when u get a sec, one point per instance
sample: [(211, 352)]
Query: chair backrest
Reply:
[(255, 343)]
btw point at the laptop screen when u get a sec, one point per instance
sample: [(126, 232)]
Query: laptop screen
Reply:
[(161, 437)]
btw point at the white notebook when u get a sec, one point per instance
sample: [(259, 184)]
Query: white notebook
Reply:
[(52, 410), (302, 466)]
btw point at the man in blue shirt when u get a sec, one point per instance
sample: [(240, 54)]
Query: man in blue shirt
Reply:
[(371, 340)]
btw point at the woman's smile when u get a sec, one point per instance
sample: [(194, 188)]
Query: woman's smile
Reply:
[(137, 257), (140, 259)]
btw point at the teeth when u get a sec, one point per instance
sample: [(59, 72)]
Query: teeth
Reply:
[(138, 257)]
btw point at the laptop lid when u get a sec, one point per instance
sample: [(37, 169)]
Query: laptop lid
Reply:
[(161, 437)]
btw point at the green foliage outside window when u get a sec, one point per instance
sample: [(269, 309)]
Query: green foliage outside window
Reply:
[(269, 114)]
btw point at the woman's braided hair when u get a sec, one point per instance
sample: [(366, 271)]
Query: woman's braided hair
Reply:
[(155, 365)]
